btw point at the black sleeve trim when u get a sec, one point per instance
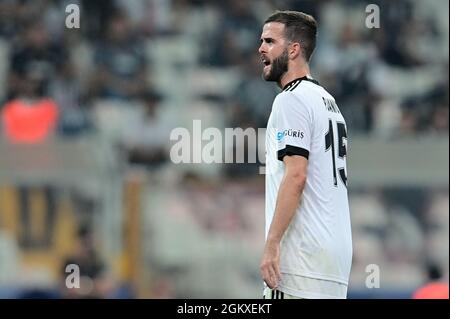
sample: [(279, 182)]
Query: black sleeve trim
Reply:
[(290, 150)]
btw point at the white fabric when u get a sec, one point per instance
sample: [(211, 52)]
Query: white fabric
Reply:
[(317, 243)]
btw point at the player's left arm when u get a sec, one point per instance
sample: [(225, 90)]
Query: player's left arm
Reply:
[(288, 199)]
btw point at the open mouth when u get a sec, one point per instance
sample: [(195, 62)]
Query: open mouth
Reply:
[(265, 61)]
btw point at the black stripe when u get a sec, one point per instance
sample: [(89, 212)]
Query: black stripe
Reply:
[(273, 296), (287, 87), (294, 86), (290, 150), (282, 295), (312, 80), (290, 84)]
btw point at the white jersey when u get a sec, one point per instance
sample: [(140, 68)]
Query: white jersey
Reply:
[(306, 121)]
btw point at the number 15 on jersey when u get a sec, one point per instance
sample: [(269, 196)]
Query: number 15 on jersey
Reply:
[(340, 151)]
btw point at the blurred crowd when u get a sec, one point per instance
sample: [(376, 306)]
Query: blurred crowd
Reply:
[(127, 54), (136, 69)]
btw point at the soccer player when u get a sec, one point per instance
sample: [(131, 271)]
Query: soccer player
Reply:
[(308, 248)]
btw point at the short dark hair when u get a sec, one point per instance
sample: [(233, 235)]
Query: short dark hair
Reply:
[(299, 27)]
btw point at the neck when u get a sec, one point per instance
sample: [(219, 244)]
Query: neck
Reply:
[(294, 73)]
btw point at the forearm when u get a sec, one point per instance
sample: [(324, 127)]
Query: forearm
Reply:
[(288, 199)]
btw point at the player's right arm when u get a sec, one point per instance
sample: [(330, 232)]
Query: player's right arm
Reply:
[(293, 123), (288, 199)]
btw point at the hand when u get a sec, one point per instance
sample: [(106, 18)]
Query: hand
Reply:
[(270, 264)]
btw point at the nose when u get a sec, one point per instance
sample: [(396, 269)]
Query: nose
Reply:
[(261, 49)]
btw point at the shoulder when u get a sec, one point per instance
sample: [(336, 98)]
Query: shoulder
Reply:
[(290, 102), (286, 98)]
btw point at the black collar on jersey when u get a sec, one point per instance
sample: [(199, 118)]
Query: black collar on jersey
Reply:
[(294, 83)]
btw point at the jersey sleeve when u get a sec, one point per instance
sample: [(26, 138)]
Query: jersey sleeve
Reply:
[(293, 126)]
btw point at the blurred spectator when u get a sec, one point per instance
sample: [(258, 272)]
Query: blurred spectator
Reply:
[(96, 15), (30, 116), (28, 239), (152, 17), (29, 121), (16, 14), (7, 18), (120, 62), (398, 17), (238, 34), (67, 92), (96, 280), (35, 57), (439, 120), (146, 140), (435, 288)]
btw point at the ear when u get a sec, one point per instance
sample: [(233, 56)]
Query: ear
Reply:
[(295, 50)]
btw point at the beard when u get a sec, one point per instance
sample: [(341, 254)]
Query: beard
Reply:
[(278, 67)]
